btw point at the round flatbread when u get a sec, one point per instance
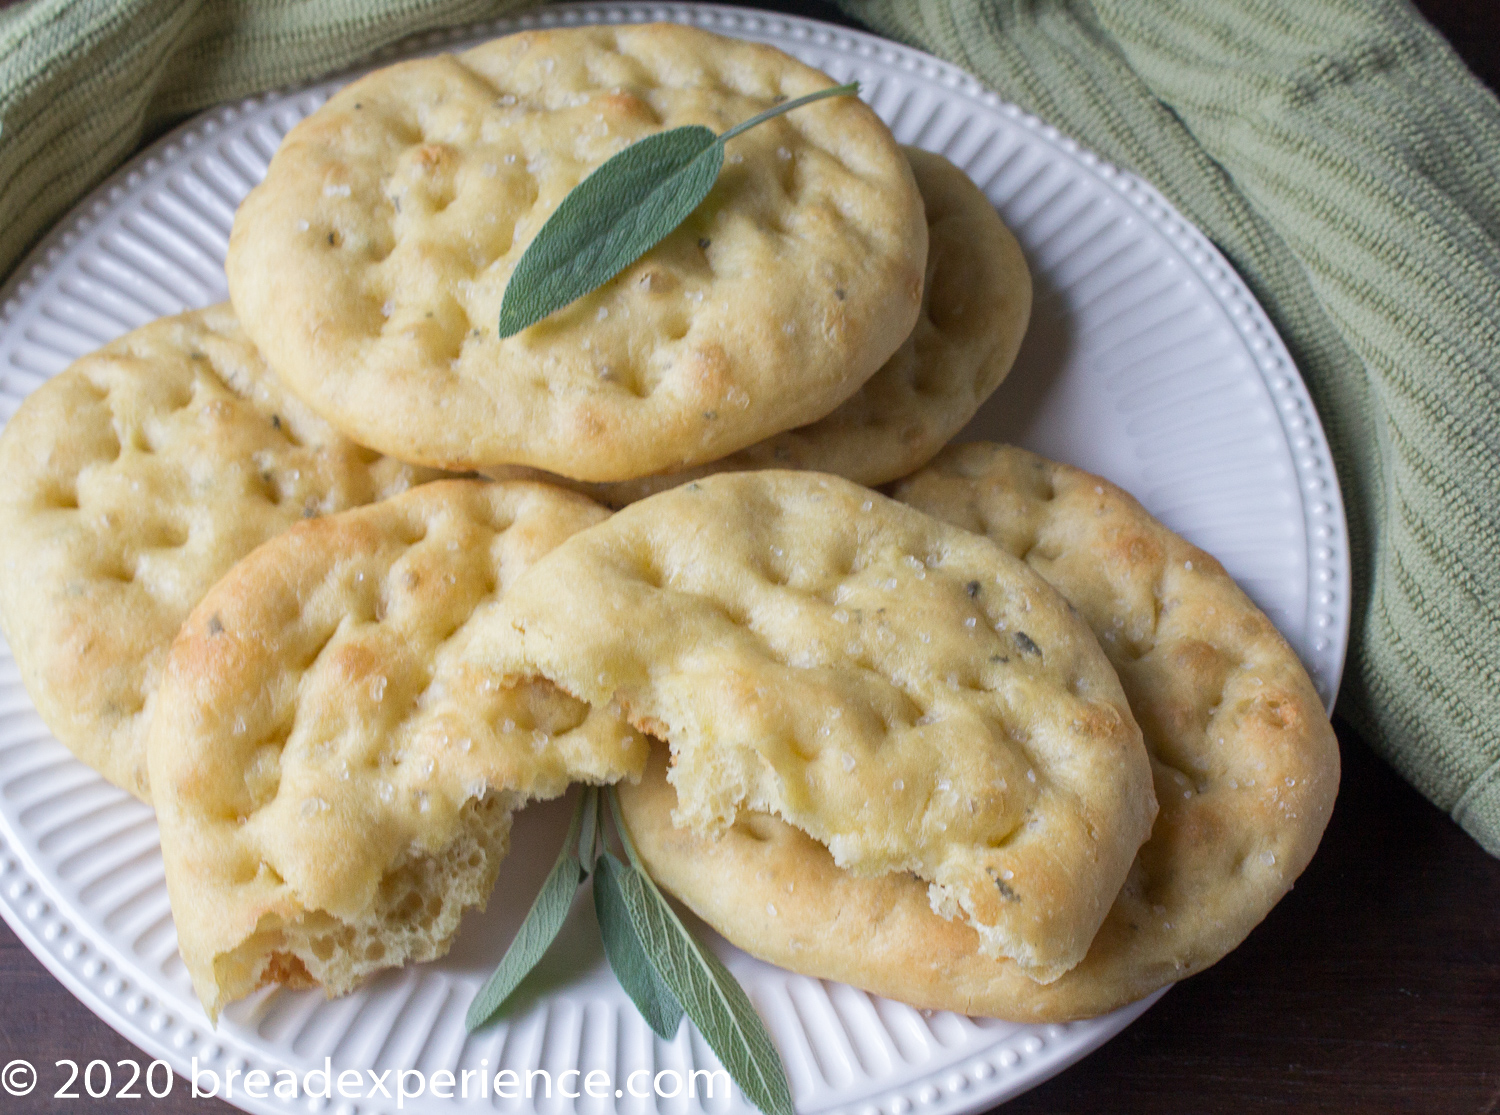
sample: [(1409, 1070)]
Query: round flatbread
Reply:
[(976, 303), (1246, 768), (334, 778), (370, 263), (907, 693), (134, 480)]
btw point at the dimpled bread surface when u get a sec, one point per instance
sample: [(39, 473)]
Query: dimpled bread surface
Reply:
[(976, 303), (905, 692), (1246, 769), (137, 477), (370, 263), (334, 778)]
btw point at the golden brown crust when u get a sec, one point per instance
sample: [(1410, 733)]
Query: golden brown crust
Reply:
[(905, 691), (1245, 764), (371, 262), (135, 479), (334, 776), (976, 303)]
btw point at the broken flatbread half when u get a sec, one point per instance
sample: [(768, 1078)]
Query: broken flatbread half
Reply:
[(1245, 763), (334, 779), (905, 692)]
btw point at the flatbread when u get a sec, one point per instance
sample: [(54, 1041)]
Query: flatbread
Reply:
[(906, 692), (334, 779), (370, 263), (1246, 768), (134, 480), (976, 303)]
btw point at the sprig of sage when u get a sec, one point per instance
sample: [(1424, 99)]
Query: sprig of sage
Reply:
[(660, 964), (707, 990), (543, 921), (621, 211), (627, 955)]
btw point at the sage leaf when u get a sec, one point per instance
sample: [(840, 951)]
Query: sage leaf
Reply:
[(627, 956), (541, 926), (628, 205), (609, 220), (709, 994), (589, 828)]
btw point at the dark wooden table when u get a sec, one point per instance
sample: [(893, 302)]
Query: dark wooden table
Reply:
[(1374, 987)]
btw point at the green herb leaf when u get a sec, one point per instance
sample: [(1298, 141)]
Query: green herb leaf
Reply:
[(712, 997), (543, 921), (627, 956), (628, 205), (609, 220), (589, 827)]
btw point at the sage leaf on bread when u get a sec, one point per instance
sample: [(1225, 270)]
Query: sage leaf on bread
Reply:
[(709, 994), (627, 956), (543, 921), (628, 205)]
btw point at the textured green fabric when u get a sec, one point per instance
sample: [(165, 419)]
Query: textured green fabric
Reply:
[(1349, 166), (1335, 150), (83, 81)]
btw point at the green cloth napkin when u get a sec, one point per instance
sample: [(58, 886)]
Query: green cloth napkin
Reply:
[(1348, 165), (1335, 150)]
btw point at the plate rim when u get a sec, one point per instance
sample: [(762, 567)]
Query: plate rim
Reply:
[(47, 933)]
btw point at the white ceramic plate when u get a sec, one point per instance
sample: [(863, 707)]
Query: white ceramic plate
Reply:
[(1147, 361)]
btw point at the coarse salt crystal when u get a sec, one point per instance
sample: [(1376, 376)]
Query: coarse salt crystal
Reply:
[(311, 807)]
